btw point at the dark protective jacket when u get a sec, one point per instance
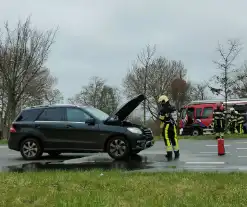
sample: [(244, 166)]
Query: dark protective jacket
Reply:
[(233, 118), (165, 115), (241, 118), (219, 118)]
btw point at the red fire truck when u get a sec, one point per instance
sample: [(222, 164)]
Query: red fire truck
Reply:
[(196, 117)]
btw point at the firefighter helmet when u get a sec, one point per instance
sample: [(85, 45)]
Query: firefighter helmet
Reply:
[(163, 98)]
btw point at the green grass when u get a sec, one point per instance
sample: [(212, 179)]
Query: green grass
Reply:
[(206, 137), (3, 141), (78, 189)]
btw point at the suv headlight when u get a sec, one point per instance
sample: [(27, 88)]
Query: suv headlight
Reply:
[(134, 130)]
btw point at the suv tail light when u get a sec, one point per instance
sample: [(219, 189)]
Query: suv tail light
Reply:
[(12, 130)]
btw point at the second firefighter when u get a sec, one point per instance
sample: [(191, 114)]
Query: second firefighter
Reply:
[(219, 121)]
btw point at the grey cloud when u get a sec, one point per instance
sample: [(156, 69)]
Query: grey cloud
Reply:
[(102, 37)]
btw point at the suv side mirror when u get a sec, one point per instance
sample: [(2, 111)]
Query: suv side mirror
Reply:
[(90, 121)]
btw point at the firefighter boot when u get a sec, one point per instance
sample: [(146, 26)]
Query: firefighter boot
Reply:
[(169, 156), (177, 154)]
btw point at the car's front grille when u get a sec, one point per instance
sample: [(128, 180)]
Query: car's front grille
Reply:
[(148, 133)]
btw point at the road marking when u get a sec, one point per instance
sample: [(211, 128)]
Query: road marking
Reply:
[(216, 163), (242, 156), (241, 148), (212, 152), (242, 168), (4, 146), (13, 154), (241, 142), (214, 145), (157, 152)]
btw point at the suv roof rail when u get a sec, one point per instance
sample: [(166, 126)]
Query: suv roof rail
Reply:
[(49, 105)]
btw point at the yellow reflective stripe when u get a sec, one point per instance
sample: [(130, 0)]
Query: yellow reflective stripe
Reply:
[(162, 125), (162, 117), (176, 147), (169, 146), (166, 135)]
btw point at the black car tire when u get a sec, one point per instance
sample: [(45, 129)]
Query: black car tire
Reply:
[(33, 148), (54, 154), (118, 148), (195, 132)]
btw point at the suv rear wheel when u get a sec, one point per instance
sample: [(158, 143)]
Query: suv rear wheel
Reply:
[(118, 148), (31, 149)]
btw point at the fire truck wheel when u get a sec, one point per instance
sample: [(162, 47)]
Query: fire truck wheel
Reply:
[(195, 132)]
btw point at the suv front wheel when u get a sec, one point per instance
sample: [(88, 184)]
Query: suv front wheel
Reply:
[(31, 149), (118, 148)]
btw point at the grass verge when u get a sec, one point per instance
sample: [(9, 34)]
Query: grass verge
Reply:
[(3, 141), (123, 189), (210, 137)]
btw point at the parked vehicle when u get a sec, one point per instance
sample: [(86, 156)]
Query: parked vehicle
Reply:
[(57, 129), (196, 117)]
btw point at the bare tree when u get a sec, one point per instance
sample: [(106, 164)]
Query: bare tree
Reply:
[(240, 86), (159, 76), (98, 94), (144, 59), (199, 91), (226, 66), (23, 53)]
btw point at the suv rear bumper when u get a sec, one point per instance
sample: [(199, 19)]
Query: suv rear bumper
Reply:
[(14, 142)]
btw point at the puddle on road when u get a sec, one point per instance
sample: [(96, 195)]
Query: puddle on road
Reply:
[(133, 163)]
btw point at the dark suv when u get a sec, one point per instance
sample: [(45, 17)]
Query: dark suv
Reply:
[(57, 129)]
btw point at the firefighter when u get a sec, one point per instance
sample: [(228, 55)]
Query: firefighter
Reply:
[(219, 121), (233, 121), (240, 122), (168, 127)]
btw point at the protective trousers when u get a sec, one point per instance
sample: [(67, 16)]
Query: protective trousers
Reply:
[(240, 128), (233, 128), (169, 134), (219, 128)]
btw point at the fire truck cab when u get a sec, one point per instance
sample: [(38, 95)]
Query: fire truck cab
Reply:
[(196, 117)]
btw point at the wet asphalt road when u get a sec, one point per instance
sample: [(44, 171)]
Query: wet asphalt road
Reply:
[(196, 155)]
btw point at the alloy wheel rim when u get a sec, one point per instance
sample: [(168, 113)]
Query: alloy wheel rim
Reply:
[(117, 147), (30, 149)]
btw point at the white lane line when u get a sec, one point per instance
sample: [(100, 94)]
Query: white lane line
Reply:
[(242, 156), (241, 148), (154, 152), (3, 146), (208, 145), (215, 163), (241, 142), (212, 152)]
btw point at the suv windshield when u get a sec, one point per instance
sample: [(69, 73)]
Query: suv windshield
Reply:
[(97, 113)]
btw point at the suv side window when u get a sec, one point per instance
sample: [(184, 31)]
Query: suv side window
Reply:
[(29, 115), (207, 112), (52, 114), (76, 115)]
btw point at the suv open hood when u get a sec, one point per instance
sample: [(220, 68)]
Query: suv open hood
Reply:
[(128, 108)]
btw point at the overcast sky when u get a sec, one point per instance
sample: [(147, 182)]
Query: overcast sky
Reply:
[(103, 37)]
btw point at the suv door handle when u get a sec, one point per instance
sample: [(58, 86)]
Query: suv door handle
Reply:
[(68, 126)]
